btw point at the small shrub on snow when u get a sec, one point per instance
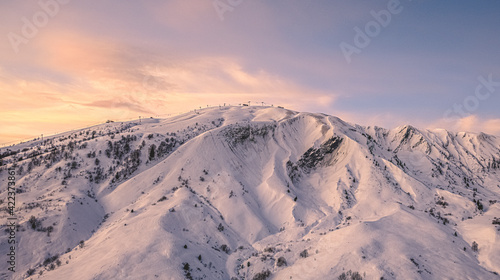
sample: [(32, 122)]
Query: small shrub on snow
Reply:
[(224, 248), (186, 266), (220, 227), (30, 272), (304, 254), (269, 249), (475, 247), (34, 222), (350, 275), (50, 260), (281, 262), (262, 275)]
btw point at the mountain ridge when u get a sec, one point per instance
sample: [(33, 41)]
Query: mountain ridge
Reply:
[(249, 192)]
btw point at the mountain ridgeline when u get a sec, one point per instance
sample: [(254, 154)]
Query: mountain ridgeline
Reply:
[(253, 193)]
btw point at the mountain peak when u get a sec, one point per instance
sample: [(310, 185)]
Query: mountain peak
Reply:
[(254, 192)]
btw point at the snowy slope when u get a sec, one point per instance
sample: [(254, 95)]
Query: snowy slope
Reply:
[(254, 193)]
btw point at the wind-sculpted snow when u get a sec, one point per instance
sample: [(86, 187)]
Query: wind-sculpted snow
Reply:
[(253, 193)]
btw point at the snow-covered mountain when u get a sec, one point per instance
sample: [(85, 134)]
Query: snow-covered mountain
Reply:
[(253, 193)]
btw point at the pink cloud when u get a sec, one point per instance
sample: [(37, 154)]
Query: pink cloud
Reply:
[(472, 123)]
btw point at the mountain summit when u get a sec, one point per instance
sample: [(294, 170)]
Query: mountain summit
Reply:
[(253, 193)]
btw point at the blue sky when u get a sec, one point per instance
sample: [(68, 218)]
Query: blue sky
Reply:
[(89, 61)]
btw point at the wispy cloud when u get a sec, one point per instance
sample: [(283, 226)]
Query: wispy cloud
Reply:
[(471, 123), (116, 60)]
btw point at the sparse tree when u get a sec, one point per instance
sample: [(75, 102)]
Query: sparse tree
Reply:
[(49, 230), (152, 152), (351, 276), (262, 275), (475, 246), (35, 223), (186, 266), (30, 272), (224, 248), (304, 254), (281, 262), (220, 227)]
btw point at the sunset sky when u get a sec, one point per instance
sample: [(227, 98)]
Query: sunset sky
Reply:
[(67, 64)]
